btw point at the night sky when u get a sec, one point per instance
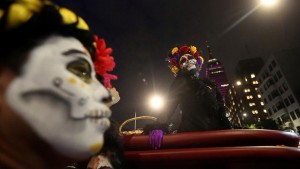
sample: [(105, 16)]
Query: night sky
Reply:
[(142, 32)]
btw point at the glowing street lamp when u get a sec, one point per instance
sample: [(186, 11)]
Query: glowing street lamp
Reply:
[(156, 102), (269, 3)]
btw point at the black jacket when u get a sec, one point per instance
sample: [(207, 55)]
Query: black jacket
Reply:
[(201, 104)]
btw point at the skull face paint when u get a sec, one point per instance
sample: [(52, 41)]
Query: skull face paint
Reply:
[(190, 65), (58, 95), (188, 62)]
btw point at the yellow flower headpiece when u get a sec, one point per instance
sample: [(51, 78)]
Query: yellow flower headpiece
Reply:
[(177, 52), (70, 18), (21, 11), (23, 18)]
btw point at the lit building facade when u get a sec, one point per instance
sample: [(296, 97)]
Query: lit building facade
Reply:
[(280, 88), (235, 107), (244, 100), (215, 72)]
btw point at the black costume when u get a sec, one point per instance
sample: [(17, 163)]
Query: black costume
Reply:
[(201, 104)]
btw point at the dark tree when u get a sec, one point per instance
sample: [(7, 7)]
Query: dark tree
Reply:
[(267, 124)]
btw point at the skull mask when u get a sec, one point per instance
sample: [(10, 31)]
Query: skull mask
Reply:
[(188, 62), (58, 95)]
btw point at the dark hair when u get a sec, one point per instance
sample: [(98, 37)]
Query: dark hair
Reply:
[(15, 43)]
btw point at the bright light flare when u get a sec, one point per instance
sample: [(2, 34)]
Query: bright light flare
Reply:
[(269, 3), (156, 102)]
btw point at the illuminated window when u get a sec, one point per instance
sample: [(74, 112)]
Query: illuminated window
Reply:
[(255, 82), (254, 112), (262, 103), (265, 110), (256, 88), (238, 83), (246, 79), (241, 101), (259, 96), (252, 75), (224, 85), (247, 90)]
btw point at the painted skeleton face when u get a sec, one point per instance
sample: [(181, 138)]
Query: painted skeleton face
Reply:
[(188, 62), (60, 98)]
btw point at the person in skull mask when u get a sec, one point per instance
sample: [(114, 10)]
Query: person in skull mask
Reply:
[(52, 107), (199, 99)]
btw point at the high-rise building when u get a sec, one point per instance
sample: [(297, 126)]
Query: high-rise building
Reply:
[(280, 88), (235, 107), (215, 72), (245, 104)]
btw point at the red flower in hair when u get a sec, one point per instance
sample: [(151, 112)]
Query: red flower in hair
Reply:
[(183, 49), (196, 54), (174, 62), (104, 62)]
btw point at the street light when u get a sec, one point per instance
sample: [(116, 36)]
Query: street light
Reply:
[(269, 3), (156, 102)]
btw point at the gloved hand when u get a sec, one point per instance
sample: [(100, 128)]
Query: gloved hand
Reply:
[(155, 138)]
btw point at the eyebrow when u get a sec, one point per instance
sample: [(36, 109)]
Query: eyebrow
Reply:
[(73, 51)]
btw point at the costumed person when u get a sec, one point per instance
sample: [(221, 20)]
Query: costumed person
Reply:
[(200, 101), (111, 155), (52, 108)]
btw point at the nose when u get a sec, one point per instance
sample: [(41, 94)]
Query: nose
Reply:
[(191, 61), (107, 99), (102, 95)]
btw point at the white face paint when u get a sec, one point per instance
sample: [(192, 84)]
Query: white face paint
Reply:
[(60, 98), (188, 62)]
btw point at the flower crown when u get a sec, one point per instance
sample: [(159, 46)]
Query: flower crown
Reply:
[(176, 53), (104, 62)]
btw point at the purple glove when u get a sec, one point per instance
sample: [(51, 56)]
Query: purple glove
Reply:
[(155, 138)]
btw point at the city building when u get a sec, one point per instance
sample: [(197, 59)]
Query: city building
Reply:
[(235, 108), (280, 88), (216, 72), (244, 100)]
